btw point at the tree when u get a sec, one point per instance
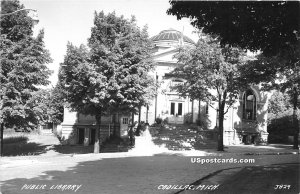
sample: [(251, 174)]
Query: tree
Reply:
[(270, 27), (266, 25), (212, 73), (23, 61), (279, 102), (112, 75), (280, 116), (129, 53), (49, 104)]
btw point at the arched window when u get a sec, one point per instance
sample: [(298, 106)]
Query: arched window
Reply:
[(249, 105)]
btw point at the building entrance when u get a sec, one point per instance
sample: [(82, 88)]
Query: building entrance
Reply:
[(176, 113)]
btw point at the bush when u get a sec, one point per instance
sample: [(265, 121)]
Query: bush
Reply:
[(158, 120), (281, 123)]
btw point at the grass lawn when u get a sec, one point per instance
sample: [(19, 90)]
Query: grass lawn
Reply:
[(25, 143)]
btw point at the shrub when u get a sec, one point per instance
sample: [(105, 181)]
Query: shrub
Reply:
[(158, 120), (281, 123)]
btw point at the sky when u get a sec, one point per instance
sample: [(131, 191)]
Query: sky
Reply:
[(71, 20)]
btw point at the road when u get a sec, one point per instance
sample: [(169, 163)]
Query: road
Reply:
[(99, 174)]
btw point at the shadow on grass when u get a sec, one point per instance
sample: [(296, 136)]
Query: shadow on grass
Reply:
[(15, 139), (73, 149), (22, 148), (182, 137)]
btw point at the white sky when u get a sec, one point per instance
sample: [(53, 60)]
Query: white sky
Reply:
[(71, 20)]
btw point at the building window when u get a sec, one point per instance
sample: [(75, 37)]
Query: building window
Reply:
[(81, 133), (172, 108), (125, 120), (179, 109), (92, 136), (249, 105), (175, 83)]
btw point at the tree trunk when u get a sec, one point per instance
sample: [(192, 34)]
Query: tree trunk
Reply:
[(192, 112), (199, 113), (140, 109), (131, 135), (295, 119), (221, 129), (147, 114), (221, 121), (97, 138), (1, 139)]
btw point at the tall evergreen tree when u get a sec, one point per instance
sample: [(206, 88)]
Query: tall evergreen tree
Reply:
[(23, 60)]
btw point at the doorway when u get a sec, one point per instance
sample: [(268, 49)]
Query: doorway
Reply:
[(176, 113), (80, 135), (92, 136)]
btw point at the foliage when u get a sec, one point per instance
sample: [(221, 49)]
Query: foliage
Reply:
[(18, 26), (48, 103), (127, 60), (111, 75), (23, 67), (278, 103), (85, 87), (280, 114), (266, 25), (212, 73)]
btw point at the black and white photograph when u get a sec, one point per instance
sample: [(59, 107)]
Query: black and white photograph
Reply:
[(149, 96)]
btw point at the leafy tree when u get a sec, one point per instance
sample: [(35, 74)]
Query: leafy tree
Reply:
[(112, 75), (279, 102), (280, 117), (85, 86), (23, 61), (128, 51), (49, 104), (264, 25), (212, 73), (270, 27)]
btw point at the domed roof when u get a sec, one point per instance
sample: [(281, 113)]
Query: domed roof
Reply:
[(171, 35)]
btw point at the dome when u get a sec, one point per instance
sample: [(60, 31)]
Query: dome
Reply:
[(171, 35)]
